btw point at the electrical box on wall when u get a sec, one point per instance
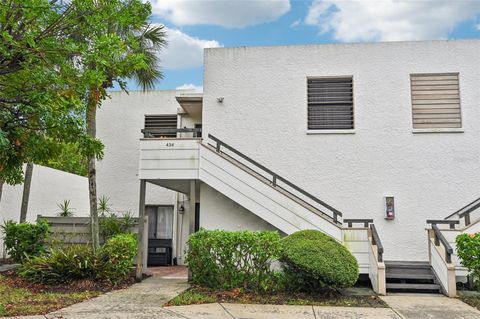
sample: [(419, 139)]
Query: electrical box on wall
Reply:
[(389, 207)]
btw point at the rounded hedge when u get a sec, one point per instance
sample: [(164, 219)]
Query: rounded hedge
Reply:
[(315, 260)]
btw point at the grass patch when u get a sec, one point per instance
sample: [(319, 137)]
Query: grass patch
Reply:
[(16, 301), (19, 297), (198, 295), (472, 300)]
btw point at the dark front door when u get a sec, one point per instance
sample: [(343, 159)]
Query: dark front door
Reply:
[(160, 233)]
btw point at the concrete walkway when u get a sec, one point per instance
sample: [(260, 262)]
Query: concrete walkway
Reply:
[(142, 300), (430, 306), (8, 267), (145, 300)]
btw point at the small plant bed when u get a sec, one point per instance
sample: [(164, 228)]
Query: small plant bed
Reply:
[(19, 297), (199, 295), (471, 298)]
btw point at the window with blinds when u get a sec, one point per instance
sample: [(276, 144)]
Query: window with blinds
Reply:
[(435, 101), (161, 125), (330, 103)]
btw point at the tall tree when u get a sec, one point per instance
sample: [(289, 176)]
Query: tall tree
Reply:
[(42, 87), (27, 183), (128, 49)]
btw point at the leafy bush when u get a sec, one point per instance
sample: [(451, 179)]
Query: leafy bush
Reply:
[(61, 265), (118, 255), (112, 225), (313, 260), (112, 263), (468, 250), (225, 260), (23, 240)]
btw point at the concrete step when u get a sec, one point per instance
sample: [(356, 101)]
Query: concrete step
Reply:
[(407, 264), (413, 286), (409, 275)]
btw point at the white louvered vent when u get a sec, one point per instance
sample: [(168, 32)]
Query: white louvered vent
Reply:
[(435, 101), (161, 125), (330, 103)]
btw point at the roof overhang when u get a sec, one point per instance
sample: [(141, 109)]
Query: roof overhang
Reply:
[(191, 102)]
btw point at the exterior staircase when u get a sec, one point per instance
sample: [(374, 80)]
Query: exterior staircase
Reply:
[(411, 276)]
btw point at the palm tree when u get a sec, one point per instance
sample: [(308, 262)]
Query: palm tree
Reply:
[(150, 39)]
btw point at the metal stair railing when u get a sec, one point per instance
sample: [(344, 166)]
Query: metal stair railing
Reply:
[(274, 180)]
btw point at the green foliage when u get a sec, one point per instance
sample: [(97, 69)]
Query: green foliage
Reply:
[(113, 225), (191, 297), (41, 87), (225, 260), (60, 265), (56, 57), (104, 205), (68, 158), (112, 263), (313, 260), (468, 250), (23, 240), (65, 209), (118, 255)]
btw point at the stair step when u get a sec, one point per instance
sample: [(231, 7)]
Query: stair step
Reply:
[(409, 275), (407, 264), (413, 286)]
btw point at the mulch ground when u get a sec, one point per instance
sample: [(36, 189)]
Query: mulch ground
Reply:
[(199, 295)]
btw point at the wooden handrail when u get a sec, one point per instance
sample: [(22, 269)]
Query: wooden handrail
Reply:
[(276, 178), (439, 238), (351, 221), (376, 241), (451, 223)]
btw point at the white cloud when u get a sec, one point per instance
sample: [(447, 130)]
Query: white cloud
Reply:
[(295, 23), (390, 20), (226, 13), (184, 51), (478, 27), (190, 86)]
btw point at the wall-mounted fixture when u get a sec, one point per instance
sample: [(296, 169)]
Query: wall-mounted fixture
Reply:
[(220, 99), (389, 207), (181, 209)]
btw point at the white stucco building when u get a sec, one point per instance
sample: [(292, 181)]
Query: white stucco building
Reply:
[(293, 137)]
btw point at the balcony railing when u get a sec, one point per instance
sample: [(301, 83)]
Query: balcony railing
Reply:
[(171, 132)]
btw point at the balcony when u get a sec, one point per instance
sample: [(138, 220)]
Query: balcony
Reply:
[(170, 161)]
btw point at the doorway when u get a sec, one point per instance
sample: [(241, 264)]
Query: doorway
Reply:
[(160, 235)]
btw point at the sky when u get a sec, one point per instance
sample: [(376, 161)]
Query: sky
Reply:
[(192, 25)]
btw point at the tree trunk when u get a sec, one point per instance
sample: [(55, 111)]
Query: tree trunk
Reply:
[(26, 192), (92, 182), (1, 188)]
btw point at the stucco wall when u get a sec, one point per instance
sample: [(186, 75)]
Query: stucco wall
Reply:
[(219, 212), (119, 123), (49, 188), (264, 115)]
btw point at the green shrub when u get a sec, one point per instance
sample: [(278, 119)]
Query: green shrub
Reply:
[(468, 250), (118, 256), (61, 265), (112, 263), (23, 240), (113, 225), (313, 260), (225, 260)]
